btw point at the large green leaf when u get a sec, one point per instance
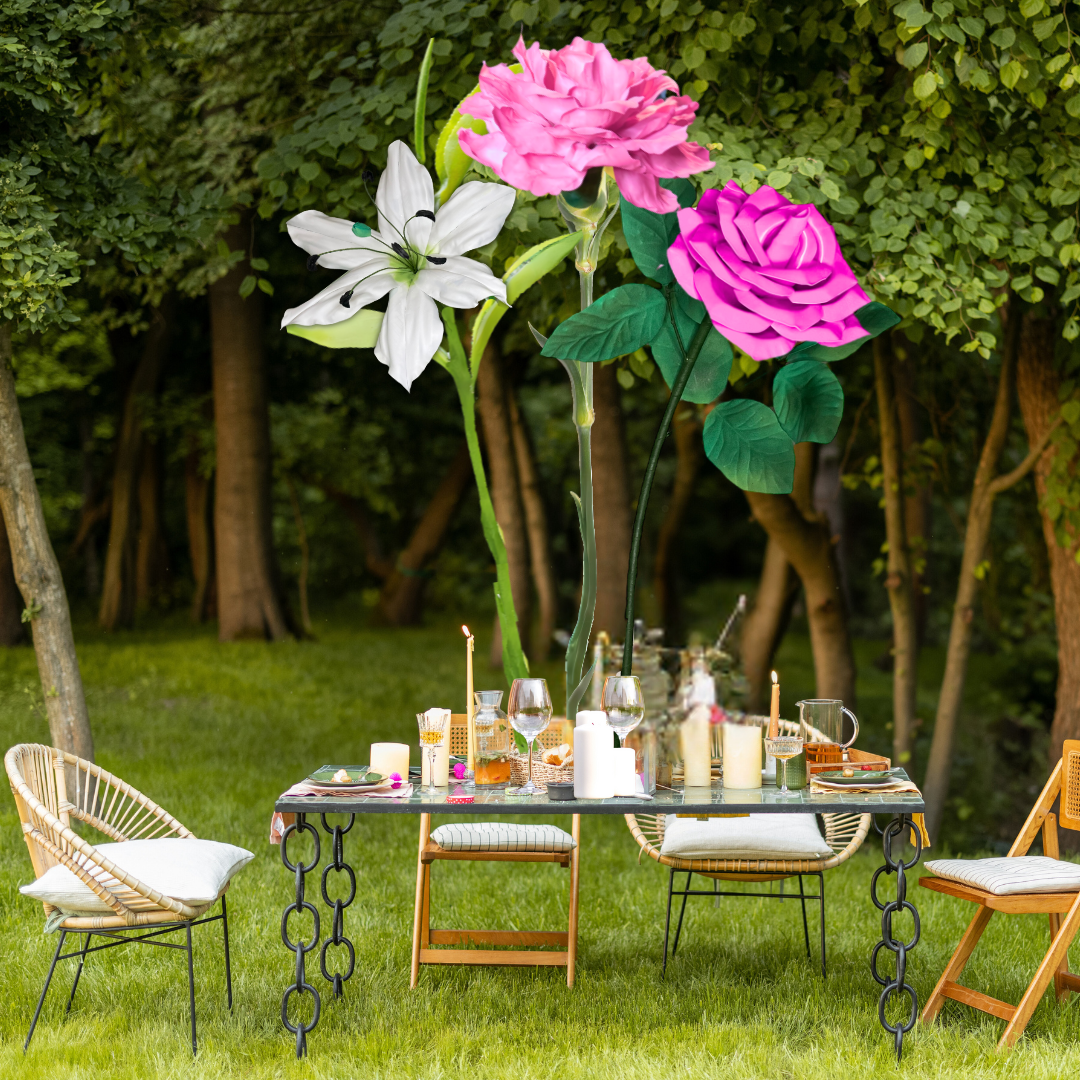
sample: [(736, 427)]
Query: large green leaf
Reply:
[(809, 401), (359, 331), (618, 323), (650, 235), (745, 441), (524, 272), (710, 374), (874, 319)]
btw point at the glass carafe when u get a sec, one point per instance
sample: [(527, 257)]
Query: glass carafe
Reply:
[(493, 739)]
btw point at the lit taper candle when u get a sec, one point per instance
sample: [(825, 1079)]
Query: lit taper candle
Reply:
[(774, 709), (470, 643)]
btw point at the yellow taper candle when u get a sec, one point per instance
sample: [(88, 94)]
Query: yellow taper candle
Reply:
[(774, 710), (470, 642)]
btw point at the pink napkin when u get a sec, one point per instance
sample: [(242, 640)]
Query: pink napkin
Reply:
[(305, 789)]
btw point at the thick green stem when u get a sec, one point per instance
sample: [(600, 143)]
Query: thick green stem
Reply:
[(515, 666), (685, 368)]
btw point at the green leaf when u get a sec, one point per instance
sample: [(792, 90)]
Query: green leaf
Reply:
[(359, 331), (649, 236), (710, 374), (972, 26), (266, 286), (421, 104), (874, 319), (451, 162), (925, 85), (1072, 105), (682, 189), (619, 322), (1011, 73), (745, 441), (520, 275), (808, 401), (247, 286), (914, 55), (263, 265)]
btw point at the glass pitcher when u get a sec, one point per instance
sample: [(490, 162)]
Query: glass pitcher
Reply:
[(493, 740), (821, 725)]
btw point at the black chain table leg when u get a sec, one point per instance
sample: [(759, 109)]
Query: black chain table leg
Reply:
[(899, 826), (300, 948), (337, 932)]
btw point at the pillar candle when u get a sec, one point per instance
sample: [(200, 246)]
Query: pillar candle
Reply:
[(742, 756), (625, 770), (442, 763), (694, 735), (390, 757), (594, 749)]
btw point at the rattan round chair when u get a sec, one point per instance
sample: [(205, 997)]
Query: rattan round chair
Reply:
[(39, 777), (844, 833)]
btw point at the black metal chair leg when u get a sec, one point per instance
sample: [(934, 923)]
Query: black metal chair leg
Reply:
[(75, 984), (821, 905), (682, 912), (805, 928), (228, 968), (191, 990), (667, 923), (45, 989)]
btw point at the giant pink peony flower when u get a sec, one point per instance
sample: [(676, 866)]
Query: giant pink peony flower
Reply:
[(770, 273), (576, 108)]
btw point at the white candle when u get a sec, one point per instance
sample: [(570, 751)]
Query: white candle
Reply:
[(625, 770), (694, 735), (594, 748), (389, 758), (742, 756)]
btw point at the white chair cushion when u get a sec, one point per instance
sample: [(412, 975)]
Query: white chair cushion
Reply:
[(755, 836), (1004, 877), (501, 836), (192, 871)]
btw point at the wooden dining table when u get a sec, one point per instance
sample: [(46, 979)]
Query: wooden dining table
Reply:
[(898, 808)]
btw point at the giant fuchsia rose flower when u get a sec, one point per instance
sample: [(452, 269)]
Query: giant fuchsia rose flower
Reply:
[(573, 109), (769, 273)]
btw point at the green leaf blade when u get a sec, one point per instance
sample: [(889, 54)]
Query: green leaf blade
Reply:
[(709, 377), (809, 402), (745, 441), (359, 331), (618, 323)]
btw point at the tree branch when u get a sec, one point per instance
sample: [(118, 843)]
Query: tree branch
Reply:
[(1007, 480)]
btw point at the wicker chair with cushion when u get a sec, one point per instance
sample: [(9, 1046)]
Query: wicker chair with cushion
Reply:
[(738, 850), (135, 887)]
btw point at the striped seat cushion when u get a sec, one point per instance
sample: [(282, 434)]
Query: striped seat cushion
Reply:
[(502, 836), (1005, 877)]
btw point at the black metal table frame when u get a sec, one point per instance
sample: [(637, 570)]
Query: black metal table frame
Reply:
[(900, 825)]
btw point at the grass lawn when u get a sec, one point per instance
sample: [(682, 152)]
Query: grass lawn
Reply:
[(214, 732)]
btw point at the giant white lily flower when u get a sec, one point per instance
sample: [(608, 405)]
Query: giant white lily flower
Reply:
[(415, 256)]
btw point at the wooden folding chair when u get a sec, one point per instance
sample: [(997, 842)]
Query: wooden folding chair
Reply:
[(1063, 909), (424, 937)]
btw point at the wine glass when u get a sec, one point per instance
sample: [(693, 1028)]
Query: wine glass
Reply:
[(432, 726), (624, 704), (529, 712), (783, 747)]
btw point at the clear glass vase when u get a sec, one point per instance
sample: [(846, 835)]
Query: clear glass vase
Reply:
[(493, 739)]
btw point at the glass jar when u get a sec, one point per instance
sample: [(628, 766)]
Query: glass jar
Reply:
[(493, 739), (643, 740)]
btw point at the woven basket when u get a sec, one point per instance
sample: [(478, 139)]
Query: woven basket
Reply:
[(541, 771)]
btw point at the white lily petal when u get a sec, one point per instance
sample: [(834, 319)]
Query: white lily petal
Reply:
[(404, 188), (320, 234), (460, 282), (367, 284), (411, 332), (471, 218)]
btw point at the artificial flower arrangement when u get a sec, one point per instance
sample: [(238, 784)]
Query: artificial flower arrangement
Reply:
[(753, 270)]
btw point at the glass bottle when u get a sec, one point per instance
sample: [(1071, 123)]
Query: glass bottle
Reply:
[(493, 739)]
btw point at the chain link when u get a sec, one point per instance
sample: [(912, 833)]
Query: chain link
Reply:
[(300, 947), (337, 925), (899, 826)]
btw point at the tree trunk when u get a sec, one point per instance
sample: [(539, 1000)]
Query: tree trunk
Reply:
[(305, 556), (11, 605), (611, 503), (248, 602), (89, 490), (200, 536), (898, 582), (543, 572), (766, 622), (985, 489), (806, 541), (400, 600), (505, 496), (1037, 385), (37, 575), (151, 553), (117, 606), (689, 454)]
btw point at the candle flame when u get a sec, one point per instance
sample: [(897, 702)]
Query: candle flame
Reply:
[(465, 630), (774, 678)]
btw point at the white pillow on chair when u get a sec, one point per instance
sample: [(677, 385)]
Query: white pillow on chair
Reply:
[(754, 836), (502, 836), (192, 871), (1005, 876)]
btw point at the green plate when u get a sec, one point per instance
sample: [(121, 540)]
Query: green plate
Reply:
[(837, 777), (359, 776)]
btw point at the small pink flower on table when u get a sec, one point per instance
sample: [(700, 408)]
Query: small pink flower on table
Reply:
[(578, 108), (459, 770), (396, 778), (770, 273)]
